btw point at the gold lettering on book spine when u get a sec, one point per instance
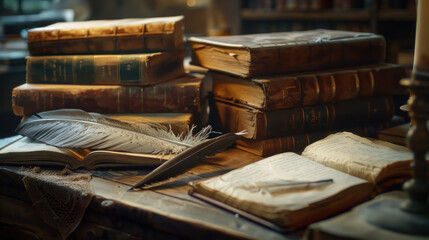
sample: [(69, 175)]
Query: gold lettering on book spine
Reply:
[(357, 82), (334, 87), (316, 83)]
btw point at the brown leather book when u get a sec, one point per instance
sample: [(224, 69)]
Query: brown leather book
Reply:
[(297, 143), (260, 124), (273, 53), (308, 88), (185, 94), (103, 36), (122, 69)]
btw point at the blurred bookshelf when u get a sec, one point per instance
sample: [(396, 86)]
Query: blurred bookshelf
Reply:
[(394, 19)]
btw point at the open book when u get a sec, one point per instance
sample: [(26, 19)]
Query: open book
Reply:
[(19, 150), (330, 176)]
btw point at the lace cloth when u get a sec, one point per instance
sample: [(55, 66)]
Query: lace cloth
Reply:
[(60, 197)]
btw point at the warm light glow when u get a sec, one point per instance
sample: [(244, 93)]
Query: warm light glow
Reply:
[(421, 53), (191, 3)]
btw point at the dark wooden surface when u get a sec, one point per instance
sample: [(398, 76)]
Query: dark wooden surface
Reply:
[(164, 212)]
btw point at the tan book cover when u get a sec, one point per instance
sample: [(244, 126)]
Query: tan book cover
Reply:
[(179, 123), (183, 94), (107, 36)]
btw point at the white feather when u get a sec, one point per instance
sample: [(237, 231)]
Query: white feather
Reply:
[(74, 128)]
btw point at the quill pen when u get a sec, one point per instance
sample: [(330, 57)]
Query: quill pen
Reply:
[(75, 128), (188, 158)]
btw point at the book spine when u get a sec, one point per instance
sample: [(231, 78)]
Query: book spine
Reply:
[(308, 89), (143, 38), (126, 69), (167, 97), (284, 122), (313, 89), (305, 57), (329, 116), (297, 143)]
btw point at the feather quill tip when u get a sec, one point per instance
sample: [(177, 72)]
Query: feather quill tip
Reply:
[(188, 158)]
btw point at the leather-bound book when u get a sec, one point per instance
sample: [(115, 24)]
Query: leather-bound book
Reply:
[(184, 94), (260, 124), (122, 69), (107, 36), (308, 88), (273, 53)]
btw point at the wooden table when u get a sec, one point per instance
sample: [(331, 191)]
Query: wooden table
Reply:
[(166, 211)]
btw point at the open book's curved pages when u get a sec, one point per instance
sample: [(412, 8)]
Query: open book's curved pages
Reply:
[(19, 150), (359, 168)]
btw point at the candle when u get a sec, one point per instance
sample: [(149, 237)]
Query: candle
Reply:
[(421, 50)]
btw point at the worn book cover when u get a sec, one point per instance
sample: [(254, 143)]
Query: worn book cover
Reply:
[(273, 53), (260, 124), (309, 88), (396, 134), (330, 176), (107, 36), (179, 123), (119, 69), (184, 94)]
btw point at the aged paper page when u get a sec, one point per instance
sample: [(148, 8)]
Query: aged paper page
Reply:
[(356, 155), (248, 186), (31, 151)]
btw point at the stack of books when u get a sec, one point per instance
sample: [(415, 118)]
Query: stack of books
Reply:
[(126, 67), (287, 90)]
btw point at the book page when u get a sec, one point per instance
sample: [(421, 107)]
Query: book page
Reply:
[(356, 155), (250, 186), (27, 151)]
